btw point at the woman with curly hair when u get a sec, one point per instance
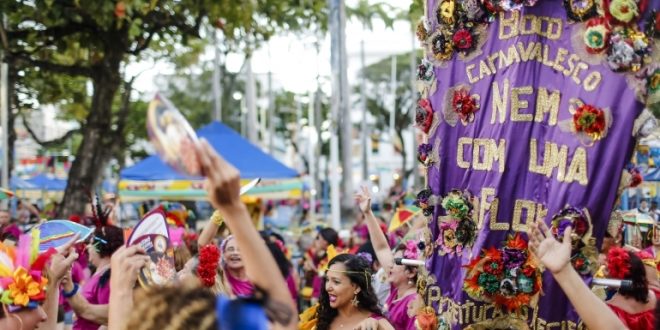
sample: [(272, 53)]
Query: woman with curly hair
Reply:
[(347, 299), (402, 279)]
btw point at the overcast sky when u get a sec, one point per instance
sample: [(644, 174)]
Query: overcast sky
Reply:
[(294, 62)]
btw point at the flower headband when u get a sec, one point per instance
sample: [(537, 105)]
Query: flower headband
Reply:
[(411, 251), (22, 279), (618, 263)]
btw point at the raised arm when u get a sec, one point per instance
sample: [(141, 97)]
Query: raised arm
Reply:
[(83, 308), (556, 258), (210, 230), (378, 239), (223, 186)]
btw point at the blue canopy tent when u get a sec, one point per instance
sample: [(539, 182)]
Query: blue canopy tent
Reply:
[(652, 175), (17, 183), (246, 157), (43, 182)]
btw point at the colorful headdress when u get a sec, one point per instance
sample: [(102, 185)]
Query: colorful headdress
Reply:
[(618, 263), (176, 214), (22, 277)]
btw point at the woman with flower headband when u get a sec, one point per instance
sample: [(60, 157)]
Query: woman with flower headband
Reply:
[(623, 311), (90, 301), (191, 307), (402, 279), (29, 283)]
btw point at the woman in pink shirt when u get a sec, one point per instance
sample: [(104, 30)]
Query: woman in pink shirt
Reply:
[(90, 301)]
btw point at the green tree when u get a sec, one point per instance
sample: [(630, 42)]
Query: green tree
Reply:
[(94, 40)]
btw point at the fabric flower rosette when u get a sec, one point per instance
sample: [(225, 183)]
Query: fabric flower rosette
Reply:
[(459, 104), (22, 273), (583, 249), (426, 201), (589, 123), (458, 229), (424, 116), (426, 82), (508, 277)]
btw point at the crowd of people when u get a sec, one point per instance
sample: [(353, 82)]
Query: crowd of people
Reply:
[(249, 280)]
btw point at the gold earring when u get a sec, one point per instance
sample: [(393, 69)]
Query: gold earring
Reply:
[(355, 302)]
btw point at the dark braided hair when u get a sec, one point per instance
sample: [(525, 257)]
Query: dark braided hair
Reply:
[(107, 238), (358, 272)]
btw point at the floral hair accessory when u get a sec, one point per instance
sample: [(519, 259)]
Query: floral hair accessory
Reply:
[(209, 258), (507, 277), (618, 263), (426, 319), (22, 275), (411, 251), (580, 10), (424, 115), (596, 35)]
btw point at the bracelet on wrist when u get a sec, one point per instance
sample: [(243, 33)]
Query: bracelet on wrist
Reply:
[(217, 218), (71, 293)]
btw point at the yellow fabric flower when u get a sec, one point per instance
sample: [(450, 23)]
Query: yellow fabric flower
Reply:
[(24, 287), (624, 10)]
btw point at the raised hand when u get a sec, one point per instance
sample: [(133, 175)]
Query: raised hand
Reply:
[(125, 264), (554, 255), (223, 181), (363, 198)]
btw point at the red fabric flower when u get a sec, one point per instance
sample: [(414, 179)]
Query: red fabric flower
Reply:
[(528, 271), (209, 257), (462, 39), (636, 178), (463, 104), (589, 119), (618, 263), (424, 116)]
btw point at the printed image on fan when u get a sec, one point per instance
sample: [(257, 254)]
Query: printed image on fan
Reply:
[(160, 269), (172, 136)]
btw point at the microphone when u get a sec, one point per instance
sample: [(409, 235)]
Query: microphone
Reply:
[(613, 283), (409, 262)]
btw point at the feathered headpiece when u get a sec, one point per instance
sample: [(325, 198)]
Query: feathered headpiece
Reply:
[(618, 263), (22, 277), (101, 215), (647, 258)]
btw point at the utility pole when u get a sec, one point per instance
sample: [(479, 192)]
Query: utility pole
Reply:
[(393, 94), (217, 78), (413, 107), (312, 139), (340, 116), (250, 103), (4, 113), (271, 113), (365, 127)]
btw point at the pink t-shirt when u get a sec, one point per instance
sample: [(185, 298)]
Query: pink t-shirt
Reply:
[(397, 310), (95, 295), (238, 287)]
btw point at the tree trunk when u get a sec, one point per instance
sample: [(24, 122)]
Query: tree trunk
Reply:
[(11, 116), (404, 155), (98, 137)]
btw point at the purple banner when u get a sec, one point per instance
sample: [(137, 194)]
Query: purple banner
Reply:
[(505, 131)]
